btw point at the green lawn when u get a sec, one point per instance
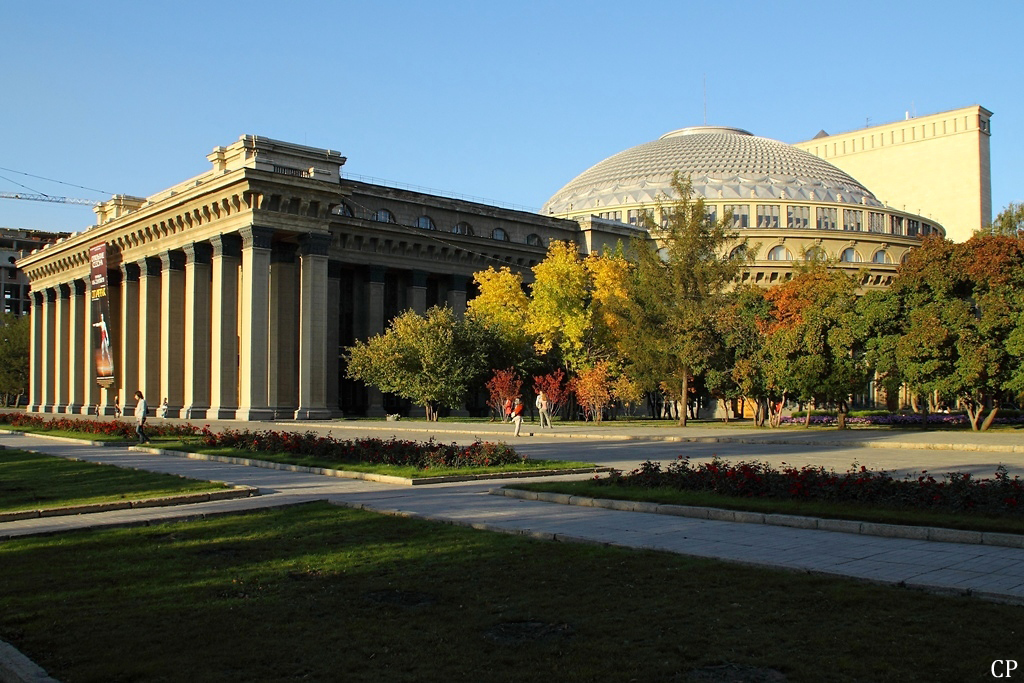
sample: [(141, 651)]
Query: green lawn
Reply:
[(30, 481), (864, 513), (352, 466), (327, 594)]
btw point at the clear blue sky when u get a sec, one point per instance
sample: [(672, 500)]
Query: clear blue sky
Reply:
[(505, 101)]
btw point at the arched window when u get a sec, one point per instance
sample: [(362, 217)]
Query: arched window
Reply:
[(814, 254), (739, 253), (383, 216), (780, 253), (343, 209), (881, 256), (425, 223), (499, 234), (850, 255), (906, 256), (463, 228), (534, 240)]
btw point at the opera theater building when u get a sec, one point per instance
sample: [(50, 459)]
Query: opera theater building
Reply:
[(233, 293)]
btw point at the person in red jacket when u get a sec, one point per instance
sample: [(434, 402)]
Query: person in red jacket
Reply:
[(517, 415)]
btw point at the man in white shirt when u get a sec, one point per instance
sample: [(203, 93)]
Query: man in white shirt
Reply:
[(141, 408)]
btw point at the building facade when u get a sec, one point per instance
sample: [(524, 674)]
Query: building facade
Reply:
[(936, 165), (231, 294), (14, 284)]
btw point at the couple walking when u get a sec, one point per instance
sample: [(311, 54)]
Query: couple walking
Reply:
[(514, 410)]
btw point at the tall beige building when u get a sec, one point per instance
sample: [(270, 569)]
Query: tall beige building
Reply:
[(937, 166)]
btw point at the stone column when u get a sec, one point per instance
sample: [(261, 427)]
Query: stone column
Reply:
[(198, 256), (418, 292), (457, 295), (129, 337), (62, 369), (150, 335), (49, 350), (254, 293), (35, 377), (282, 337), (79, 348), (227, 254), (172, 332), (333, 336), (375, 326), (313, 310)]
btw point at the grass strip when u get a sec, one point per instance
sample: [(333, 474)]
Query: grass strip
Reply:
[(862, 513), (407, 471), (31, 481), (322, 593)]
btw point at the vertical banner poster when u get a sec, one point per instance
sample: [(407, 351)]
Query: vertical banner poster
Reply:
[(100, 315)]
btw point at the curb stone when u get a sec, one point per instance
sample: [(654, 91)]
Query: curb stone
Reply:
[(920, 533), (167, 501), (17, 668)]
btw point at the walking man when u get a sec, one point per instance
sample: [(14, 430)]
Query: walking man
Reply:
[(141, 408)]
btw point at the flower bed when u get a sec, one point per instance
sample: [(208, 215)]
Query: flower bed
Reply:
[(953, 492), (423, 455), (900, 420), (99, 427)]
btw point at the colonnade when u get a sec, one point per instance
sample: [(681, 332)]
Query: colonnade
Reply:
[(238, 326)]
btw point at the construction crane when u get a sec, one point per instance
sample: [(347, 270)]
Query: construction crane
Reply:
[(48, 198)]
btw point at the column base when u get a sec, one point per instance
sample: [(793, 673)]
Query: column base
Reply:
[(312, 414), (73, 409), (60, 408), (194, 412), (221, 413), (254, 414)]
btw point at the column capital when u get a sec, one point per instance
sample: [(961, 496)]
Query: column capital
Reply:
[(334, 269), (149, 266), (51, 295), (78, 287), (130, 272), (198, 252), (226, 245), (315, 243), (172, 260), (283, 252), (254, 237), (64, 291), (37, 298)]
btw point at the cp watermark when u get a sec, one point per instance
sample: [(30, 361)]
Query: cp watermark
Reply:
[(1003, 668)]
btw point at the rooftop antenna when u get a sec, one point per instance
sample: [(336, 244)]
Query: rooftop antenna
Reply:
[(705, 99)]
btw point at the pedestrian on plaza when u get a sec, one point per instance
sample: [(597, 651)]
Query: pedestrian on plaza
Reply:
[(506, 411), (163, 409), (542, 409), (141, 408), (117, 411), (517, 415)]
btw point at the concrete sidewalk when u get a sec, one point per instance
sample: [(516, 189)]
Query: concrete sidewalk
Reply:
[(987, 571)]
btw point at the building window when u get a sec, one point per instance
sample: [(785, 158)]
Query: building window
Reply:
[(767, 215), (876, 221), (850, 255), (740, 215), (827, 218), (639, 217), (926, 230), (913, 227), (896, 223), (814, 254), (852, 219), (611, 215), (425, 223), (534, 240), (798, 217), (780, 253), (739, 252), (499, 234), (711, 212), (383, 216), (881, 256), (343, 209), (463, 228)]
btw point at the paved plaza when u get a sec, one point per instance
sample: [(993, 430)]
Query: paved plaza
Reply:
[(983, 570)]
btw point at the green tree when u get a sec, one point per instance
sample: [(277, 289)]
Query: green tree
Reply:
[(559, 311), (501, 310), (677, 284), (14, 356), (812, 345), (1009, 222), (433, 359)]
